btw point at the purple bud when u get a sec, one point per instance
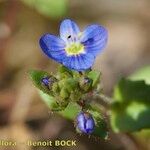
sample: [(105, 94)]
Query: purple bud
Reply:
[(45, 81), (87, 80), (85, 122)]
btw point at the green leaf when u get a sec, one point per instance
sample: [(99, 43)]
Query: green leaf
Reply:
[(142, 74), (131, 107), (50, 8), (76, 95), (63, 69), (69, 84), (71, 111), (51, 102), (101, 129), (63, 72), (64, 93), (95, 76), (127, 91)]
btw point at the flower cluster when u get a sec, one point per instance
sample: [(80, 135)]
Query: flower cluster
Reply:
[(74, 81), (75, 49)]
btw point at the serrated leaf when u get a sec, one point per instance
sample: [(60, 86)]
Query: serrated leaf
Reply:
[(95, 76), (131, 108), (50, 8)]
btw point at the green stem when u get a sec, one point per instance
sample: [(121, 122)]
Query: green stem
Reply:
[(105, 98)]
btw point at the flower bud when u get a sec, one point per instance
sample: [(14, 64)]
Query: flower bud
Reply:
[(85, 83), (45, 81), (48, 81), (85, 122)]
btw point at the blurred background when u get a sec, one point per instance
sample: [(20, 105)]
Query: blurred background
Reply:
[(23, 115)]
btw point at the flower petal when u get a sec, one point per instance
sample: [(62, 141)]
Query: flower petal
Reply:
[(94, 39), (69, 30), (90, 125), (53, 47), (81, 122), (79, 62)]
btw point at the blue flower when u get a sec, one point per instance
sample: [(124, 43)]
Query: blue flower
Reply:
[(85, 122), (74, 49)]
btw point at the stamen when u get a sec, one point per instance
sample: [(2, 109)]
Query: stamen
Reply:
[(74, 49)]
